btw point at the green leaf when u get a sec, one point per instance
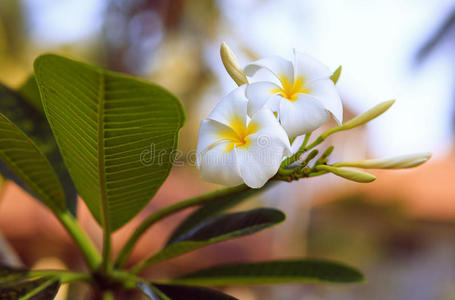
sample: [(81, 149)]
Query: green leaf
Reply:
[(23, 108), (39, 289), (215, 207), (220, 229), (25, 160), (336, 75), (291, 271), (117, 134), (180, 292)]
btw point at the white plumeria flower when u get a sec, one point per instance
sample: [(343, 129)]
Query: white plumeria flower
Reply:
[(303, 97), (234, 148)]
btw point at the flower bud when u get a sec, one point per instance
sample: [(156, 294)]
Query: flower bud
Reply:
[(232, 65), (327, 152), (362, 118), (354, 175), (398, 162), (311, 156)]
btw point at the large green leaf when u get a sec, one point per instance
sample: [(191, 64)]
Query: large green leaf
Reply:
[(24, 159), (180, 292), (215, 207), (38, 289), (116, 134), (220, 229), (291, 271), (23, 107)]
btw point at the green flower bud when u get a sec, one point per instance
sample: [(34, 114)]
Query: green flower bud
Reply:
[(354, 175), (311, 156)]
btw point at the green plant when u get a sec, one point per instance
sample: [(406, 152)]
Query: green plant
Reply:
[(94, 125)]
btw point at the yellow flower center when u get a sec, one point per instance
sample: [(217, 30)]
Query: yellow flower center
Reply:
[(238, 133), (290, 90)]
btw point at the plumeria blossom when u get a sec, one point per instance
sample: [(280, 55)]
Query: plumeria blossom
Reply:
[(303, 97), (234, 148)]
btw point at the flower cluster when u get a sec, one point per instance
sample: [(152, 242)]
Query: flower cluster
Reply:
[(246, 138)]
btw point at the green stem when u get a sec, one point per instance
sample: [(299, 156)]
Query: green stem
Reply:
[(293, 158), (36, 290), (129, 280), (89, 252), (167, 211), (286, 172), (106, 260), (142, 265), (323, 136), (305, 141), (316, 142), (63, 276)]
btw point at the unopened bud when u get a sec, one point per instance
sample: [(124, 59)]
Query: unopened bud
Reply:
[(398, 162), (362, 118), (232, 66), (311, 156), (354, 175), (327, 152)]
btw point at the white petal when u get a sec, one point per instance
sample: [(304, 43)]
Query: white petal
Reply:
[(209, 135), (258, 164), (302, 115), (258, 94), (325, 91), (309, 68), (261, 159), (218, 165), (232, 106), (279, 66), (273, 104), (270, 130)]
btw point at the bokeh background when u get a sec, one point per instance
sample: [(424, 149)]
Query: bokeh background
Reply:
[(399, 230)]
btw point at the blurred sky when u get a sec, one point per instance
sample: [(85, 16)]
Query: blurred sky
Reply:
[(64, 21), (375, 41)]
